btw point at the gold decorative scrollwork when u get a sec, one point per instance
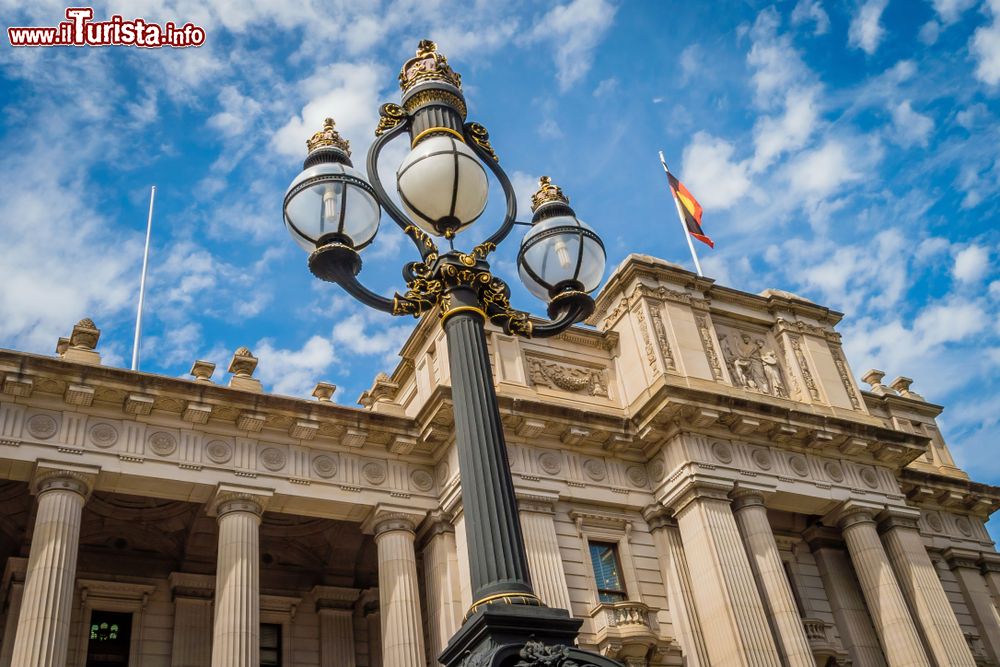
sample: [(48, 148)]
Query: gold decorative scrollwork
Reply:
[(481, 251), (390, 115), (432, 283), (422, 295), (420, 237), (495, 298), (481, 137), (432, 96)]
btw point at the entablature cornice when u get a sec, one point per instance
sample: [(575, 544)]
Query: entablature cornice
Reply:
[(673, 409), (643, 276), (956, 496), (199, 403)]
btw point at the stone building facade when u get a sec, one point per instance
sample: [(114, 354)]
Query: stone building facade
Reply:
[(701, 480)]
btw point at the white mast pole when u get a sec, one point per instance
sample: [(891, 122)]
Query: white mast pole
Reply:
[(680, 216), (142, 283)]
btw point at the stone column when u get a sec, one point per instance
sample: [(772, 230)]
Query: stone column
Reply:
[(677, 579), (399, 597), (14, 584), (43, 625), (462, 548), (542, 546), (336, 637), (989, 564), (943, 639), (725, 596), (335, 608), (441, 582), (977, 596), (896, 631), (849, 611), (192, 646), (236, 636), (373, 626), (772, 582)]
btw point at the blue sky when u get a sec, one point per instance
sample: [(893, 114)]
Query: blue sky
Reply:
[(845, 151)]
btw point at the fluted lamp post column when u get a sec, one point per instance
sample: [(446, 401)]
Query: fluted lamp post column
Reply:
[(333, 212)]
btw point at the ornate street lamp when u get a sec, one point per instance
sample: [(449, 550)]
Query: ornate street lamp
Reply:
[(333, 212)]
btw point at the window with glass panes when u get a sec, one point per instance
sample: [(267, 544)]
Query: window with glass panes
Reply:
[(607, 571), (110, 639), (270, 645)]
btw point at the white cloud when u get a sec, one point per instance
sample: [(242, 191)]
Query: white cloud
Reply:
[(978, 182), (811, 11), (371, 333), (294, 372), (190, 279), (524, 185), (985, 47), (690, 60), (869, 275), (574, 30), (970, 116), (931, 247), (951, 10), (820, 172), (777, 65), (347, 92), (774, 136), (58, 261), (929, 32), (177, 345), (948, 323), (911, 128), (238, 114), (866, 30), (971, 264), (711, 174), (606, 87)]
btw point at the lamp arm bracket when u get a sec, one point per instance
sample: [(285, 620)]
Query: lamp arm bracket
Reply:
[(354, 287), (338, 263), (565, 310), (478, 139), (393, 121)]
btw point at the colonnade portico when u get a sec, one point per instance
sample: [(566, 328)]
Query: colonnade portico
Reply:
[(226, 632), (889, 603), (700, 482)]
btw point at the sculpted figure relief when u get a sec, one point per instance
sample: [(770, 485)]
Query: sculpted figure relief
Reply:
[(753, 365), (567, 378)]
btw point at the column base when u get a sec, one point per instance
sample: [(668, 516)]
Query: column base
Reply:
[(519, 636)]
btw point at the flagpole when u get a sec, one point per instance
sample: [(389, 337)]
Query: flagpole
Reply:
[(680, 216), (142, 283)]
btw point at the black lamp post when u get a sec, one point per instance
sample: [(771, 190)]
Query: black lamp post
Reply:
[(333, 212)]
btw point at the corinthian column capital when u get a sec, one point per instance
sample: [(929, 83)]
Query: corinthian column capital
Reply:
[(854, 512), (386, 518), (52, 475), (658, 517), (232, 498), (744, 496)]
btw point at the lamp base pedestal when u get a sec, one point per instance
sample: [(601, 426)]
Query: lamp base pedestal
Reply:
[(519, 636)]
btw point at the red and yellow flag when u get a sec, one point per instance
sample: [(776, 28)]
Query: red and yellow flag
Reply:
[(690, 209)]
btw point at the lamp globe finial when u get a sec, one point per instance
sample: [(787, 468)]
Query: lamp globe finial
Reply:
[(328, 136)]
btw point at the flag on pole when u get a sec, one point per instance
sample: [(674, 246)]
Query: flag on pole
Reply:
[(690, 209)]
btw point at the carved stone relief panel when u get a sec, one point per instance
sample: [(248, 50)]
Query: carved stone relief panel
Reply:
[(705, 333), (42, 425), (572, 378), (753, 360)]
